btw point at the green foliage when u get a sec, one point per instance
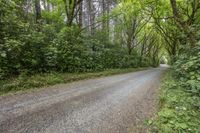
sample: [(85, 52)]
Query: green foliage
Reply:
[(29, 51), (178, 112), (50, 46), (187, 70), (44, 50), (180, 96), (24, 82)]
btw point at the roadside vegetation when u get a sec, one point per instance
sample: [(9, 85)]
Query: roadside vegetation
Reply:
[(42, 40), (45, 36), (25, 83), (180, 97), (179, 110)]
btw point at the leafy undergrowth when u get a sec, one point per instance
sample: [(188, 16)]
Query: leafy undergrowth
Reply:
[(180, 112), (24, 83)]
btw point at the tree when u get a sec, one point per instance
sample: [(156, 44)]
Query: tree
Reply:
[(71, 8), (38, 15), (185, 26)]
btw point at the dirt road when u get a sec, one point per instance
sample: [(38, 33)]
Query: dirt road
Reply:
[(115, 104)]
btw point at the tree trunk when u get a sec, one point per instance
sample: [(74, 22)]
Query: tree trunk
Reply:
[(129, 42), (141, 53), (91, 17), (80, 15), (104, 14), (38, 15), (71, 10)]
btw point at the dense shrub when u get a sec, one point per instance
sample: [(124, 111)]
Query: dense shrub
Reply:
[(180, 96), (179, 111), (34, 50), (80, 53), (187, 69)]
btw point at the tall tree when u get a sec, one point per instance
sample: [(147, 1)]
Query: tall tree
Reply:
[(71, 9), (38, 15), (80, 17)]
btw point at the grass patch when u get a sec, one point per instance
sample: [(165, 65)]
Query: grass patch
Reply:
[(178, 110), (24, 83)]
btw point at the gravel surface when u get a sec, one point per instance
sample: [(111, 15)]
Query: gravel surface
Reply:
[(115, 104)]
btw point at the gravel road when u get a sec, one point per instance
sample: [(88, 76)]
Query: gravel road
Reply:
[(114, 104)]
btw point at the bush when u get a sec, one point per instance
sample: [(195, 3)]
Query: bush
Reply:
[(180, 96), (179, 110), (40, 48), (187, 70)]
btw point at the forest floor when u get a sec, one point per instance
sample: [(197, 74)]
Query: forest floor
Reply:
[(119, 103)]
